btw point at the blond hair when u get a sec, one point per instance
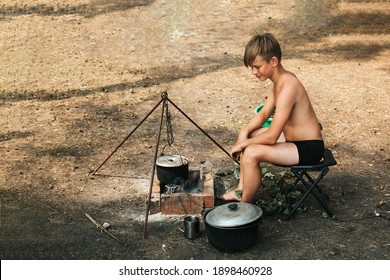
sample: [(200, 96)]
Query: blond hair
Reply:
[(264, 45)]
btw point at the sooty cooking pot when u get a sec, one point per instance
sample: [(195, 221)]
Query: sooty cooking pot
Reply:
[(232, 226), (171, 167)]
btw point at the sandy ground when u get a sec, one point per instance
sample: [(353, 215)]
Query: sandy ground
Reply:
[(77, 76)]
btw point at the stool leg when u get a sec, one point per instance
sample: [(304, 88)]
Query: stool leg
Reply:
[(288, 190), (310, 188), (321, 200), (297, 205)]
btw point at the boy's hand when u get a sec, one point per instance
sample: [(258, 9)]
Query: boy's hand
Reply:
[(236, 152), (236, 156)]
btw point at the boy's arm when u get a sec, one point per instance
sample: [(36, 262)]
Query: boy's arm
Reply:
[(284, 105), (258, 120)]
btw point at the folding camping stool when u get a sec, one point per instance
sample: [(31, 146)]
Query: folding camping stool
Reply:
[(301, 173)]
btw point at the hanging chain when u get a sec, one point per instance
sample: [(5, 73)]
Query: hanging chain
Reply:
[(170, 138)]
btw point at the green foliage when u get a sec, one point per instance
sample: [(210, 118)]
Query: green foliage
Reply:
[(272, 198), (223, 173), (226, 172), (275, 201), (236, 171)]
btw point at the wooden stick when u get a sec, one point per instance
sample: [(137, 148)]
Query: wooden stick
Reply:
[(103, 229)]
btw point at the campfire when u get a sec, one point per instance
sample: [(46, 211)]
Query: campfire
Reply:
[(189, 196), (191, 192)]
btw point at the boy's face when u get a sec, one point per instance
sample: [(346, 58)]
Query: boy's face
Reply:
[(262, 69)]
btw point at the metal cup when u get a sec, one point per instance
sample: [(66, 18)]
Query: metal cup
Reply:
[(191, 227)]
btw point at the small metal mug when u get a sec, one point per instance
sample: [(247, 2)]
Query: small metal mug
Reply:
[(191, 227)]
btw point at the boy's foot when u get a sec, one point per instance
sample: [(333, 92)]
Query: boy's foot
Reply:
[(231, 196)]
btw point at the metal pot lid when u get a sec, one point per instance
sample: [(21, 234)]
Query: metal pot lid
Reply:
[(233, 215), (171, 161)]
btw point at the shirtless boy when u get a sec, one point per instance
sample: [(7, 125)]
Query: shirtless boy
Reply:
[(294, 136)]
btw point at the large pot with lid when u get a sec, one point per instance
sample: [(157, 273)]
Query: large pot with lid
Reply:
[(232, 226), (171, 167)]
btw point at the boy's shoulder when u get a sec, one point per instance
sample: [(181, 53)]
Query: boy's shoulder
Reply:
[(290, 77), (289, 89), (293, 82), (287, 81)]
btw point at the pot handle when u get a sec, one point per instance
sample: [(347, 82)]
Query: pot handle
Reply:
[(233, 206), (171, 145), (205, 212)]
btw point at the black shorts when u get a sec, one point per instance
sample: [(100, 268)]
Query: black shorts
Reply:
[(310, 151)]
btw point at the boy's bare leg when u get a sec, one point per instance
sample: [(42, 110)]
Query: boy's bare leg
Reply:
[(252, 177), (279, 153), (250, 171), (232, 195)]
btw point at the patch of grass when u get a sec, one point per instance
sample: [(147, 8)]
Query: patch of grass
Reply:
[(272, 196), (274, 199)]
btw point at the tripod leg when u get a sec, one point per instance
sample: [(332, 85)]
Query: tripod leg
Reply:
[(154, 166), (128, 136)]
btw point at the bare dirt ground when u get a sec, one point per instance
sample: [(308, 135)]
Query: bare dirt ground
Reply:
[(78, 75)]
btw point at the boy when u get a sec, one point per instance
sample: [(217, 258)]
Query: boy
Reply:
[(294, 136)]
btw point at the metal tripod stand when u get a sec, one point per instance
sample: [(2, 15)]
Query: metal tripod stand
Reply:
[(165, 101)]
